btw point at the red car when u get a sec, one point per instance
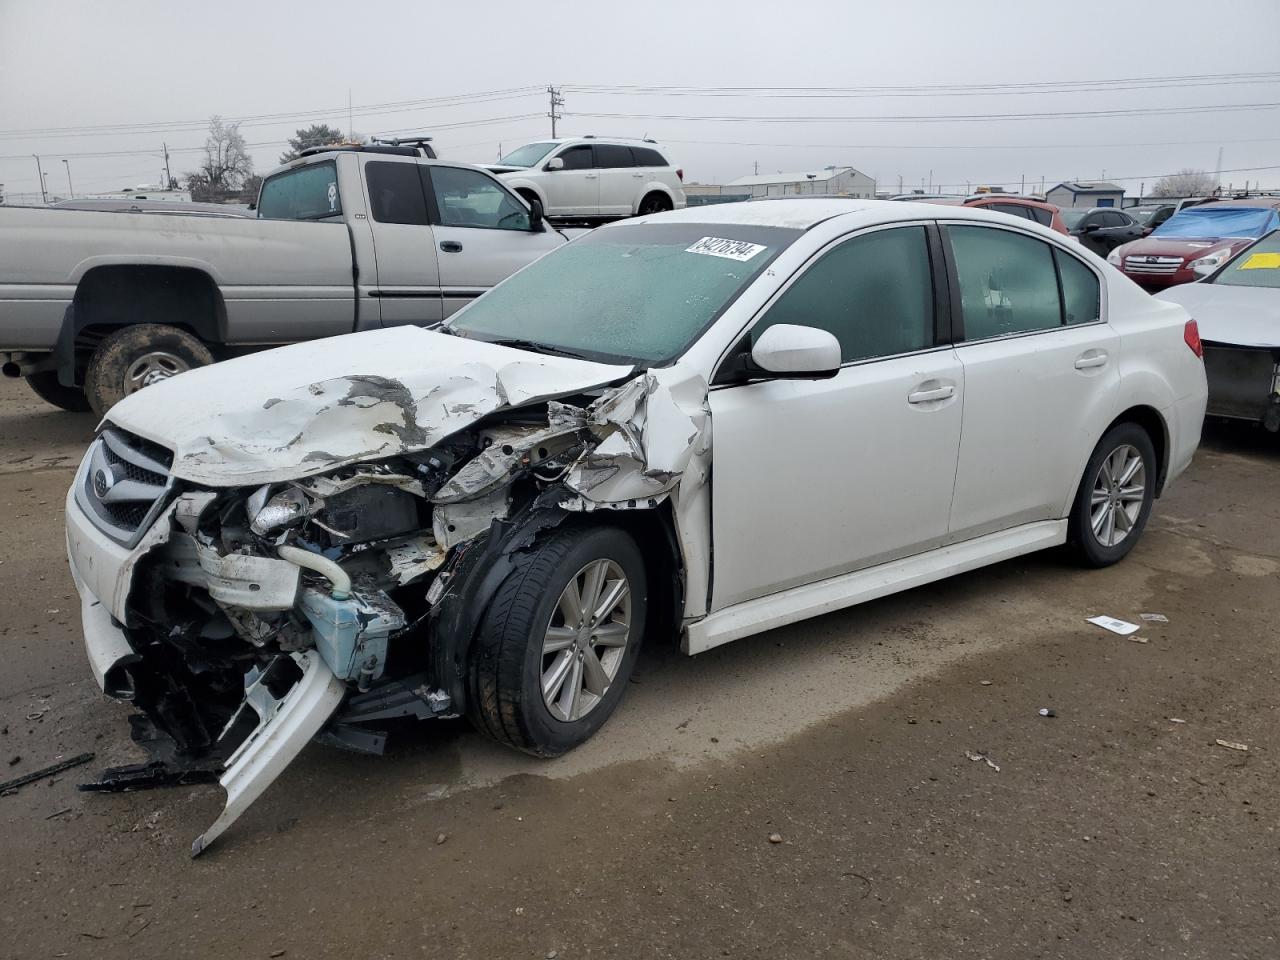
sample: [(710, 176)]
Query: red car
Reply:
[(1204, 236), (1037, 211)]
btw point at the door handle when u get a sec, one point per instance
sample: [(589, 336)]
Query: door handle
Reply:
[(934, 393), (638, 176), (451, 246), (592, 176), (1090, 360)]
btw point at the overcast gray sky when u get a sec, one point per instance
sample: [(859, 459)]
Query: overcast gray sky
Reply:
[(75, 65)]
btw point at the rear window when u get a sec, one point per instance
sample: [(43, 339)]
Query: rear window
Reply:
[(1258, 266), (307, 193), (395, 193), (646, 157), (612, 155)]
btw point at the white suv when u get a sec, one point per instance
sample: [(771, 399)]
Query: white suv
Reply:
[(591, 177)]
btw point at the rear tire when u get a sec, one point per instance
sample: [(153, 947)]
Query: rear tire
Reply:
[(1115, 497), (653, 203), (46, 386), (137, 356), (527, 639)]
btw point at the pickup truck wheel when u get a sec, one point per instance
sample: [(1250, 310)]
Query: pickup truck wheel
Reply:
[(653, 203), (47, 388), (137, 356), (557, 644)]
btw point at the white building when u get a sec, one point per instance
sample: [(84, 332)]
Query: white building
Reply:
[(832, 181)]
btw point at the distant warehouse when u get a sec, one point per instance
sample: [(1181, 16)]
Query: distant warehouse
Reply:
[(1094, 193), (834, 181)]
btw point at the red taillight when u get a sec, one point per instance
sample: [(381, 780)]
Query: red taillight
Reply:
[(1191, 334), (680, 174)]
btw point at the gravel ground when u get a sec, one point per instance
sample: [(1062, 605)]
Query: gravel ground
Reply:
[(1108, 831)]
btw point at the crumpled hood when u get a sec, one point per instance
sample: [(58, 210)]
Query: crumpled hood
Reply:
[(308, 408), (1245, 316)]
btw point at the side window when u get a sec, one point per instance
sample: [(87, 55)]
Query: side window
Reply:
[(577, 158), (307, 193), (1008, 283), (468, 198), (646, 157), (874, 292), (395, 193), (1081, 294), (1114, 219), (613, 155), (1042, 217)]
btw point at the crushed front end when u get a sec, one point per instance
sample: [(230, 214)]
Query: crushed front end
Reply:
[(241, 622)]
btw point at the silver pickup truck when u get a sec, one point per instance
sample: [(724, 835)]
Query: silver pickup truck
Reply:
[(95, 305)]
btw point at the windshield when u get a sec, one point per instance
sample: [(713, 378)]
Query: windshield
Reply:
[(1212, 222), (528, 155), (1072, 217), (637, 293), (1257, 266)]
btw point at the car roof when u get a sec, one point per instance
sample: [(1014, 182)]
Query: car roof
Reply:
[(1261, 203), (801, 213)]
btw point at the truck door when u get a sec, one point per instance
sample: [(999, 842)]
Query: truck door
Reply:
[(408, 284), (482, 232)]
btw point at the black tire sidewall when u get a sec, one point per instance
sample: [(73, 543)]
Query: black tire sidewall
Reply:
[(104, 380), (550, 736), (1083, 538), (657, 201)]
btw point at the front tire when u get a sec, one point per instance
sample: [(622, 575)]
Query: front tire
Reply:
[(1115, 497), (48, 388), (137, 356), (558, 641)]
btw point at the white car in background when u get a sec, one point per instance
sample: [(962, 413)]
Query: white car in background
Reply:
[(702, 424), (594, 177)]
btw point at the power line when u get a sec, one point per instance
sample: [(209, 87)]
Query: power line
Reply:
[(841, 93), (964, 146), (942, 118), (160, 126)]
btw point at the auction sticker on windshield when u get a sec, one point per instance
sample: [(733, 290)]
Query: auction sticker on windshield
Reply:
[(729, 249), (1262, 261)]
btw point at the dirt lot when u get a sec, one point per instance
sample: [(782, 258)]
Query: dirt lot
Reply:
[(1109, 831)]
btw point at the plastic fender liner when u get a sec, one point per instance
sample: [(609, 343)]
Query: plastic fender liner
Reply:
[(473, 580)]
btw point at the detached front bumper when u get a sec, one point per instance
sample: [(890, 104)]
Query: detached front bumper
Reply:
[(284, 714)]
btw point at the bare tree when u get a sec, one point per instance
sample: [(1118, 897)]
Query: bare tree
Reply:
[(316, 135), (1185, 183), (227, 164)]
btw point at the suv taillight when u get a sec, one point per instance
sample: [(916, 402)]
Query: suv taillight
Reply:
[(1191, 334), (680, 174)]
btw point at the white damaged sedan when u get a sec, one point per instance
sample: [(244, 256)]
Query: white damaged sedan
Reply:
[(701, 424)]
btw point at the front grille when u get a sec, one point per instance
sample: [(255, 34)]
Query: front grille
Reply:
[(125, 483), (1152, 266)]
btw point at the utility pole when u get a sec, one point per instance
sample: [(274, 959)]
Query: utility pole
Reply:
[(756, 165), (351, 127), (168, 177), (556, 101), (70, 189), (44, 198), (1022, 190)]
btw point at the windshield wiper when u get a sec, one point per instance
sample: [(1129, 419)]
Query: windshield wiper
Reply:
[(533, 345)]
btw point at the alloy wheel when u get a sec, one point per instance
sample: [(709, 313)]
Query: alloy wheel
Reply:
[(586, 640), (1119, 491)]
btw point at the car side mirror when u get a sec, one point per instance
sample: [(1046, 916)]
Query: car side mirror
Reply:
[(787, 351), (536, 214), (1091, 228), (555, 163)]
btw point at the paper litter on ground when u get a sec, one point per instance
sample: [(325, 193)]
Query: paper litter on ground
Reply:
[(1122, 627)]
